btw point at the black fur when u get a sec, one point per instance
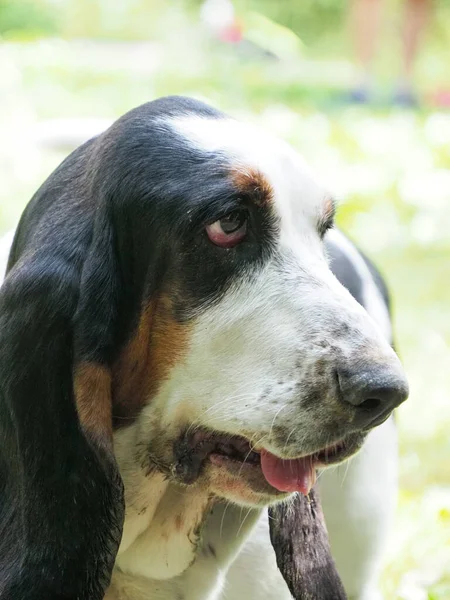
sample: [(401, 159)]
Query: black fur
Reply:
[(121, 219)]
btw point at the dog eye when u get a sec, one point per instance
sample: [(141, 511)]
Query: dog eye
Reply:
[(229, 230)]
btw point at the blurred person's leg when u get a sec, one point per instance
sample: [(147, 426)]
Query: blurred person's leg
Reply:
[(365, 23), (415, 20)]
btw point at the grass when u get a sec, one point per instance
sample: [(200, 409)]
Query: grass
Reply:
[(389, 168)]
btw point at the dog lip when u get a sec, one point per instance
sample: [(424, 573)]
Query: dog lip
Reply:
[(378, 421), (333, 453), (192, 451), (202, 437)]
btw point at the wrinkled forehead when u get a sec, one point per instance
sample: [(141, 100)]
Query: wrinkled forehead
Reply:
[(298, 198)]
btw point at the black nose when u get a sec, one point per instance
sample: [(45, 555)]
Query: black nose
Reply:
[(374, 393)]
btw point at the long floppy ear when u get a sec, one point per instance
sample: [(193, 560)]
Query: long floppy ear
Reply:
[(61, 497), (300, 540)]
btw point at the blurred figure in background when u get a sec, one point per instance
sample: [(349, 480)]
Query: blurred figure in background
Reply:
[(366, 22), (220, 17)]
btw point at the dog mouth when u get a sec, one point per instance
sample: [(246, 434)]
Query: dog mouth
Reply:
[(239, 458)]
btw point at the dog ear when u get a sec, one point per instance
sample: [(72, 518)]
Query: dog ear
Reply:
[(61, 496), (300, 540)]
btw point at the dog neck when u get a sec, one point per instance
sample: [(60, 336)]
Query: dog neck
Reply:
[(176, 539), (163, 524)]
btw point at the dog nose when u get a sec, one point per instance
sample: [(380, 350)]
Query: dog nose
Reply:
[(374, 393)]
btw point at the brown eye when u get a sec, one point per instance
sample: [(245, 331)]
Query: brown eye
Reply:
[(229, 230)]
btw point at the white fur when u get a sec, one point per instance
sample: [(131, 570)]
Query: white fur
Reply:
[(249, 355), (358, 498), (253, 338)]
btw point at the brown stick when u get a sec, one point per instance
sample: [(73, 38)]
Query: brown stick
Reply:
[(300, 540)]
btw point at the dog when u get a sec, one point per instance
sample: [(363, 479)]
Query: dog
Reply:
[(185, 341)]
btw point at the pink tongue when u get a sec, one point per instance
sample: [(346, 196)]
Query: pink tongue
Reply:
[(297, 475)]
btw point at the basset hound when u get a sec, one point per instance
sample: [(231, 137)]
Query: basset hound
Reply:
[(177, 358)]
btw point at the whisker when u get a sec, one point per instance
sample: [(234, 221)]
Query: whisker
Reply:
[(288, 438), (218, 406), (273, 421), (243, 521), (347, 465), (249, 452), (223, 517)]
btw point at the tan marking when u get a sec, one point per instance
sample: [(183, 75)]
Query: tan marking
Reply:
[(158, 343), (253, 184), (92, 389), (111, 592)]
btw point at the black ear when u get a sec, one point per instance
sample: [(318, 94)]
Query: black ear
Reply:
[(300, 540), (61, 497)]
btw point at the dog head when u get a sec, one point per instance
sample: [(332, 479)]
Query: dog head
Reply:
[(251, 364), (169, 282)]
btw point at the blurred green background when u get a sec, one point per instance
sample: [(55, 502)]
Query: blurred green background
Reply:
[(69, 66)]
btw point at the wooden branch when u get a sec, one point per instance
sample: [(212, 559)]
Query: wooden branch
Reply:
[(300, 540)]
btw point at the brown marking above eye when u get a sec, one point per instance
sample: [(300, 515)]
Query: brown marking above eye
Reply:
[(326, 217), (157, 344), (253, 184)]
